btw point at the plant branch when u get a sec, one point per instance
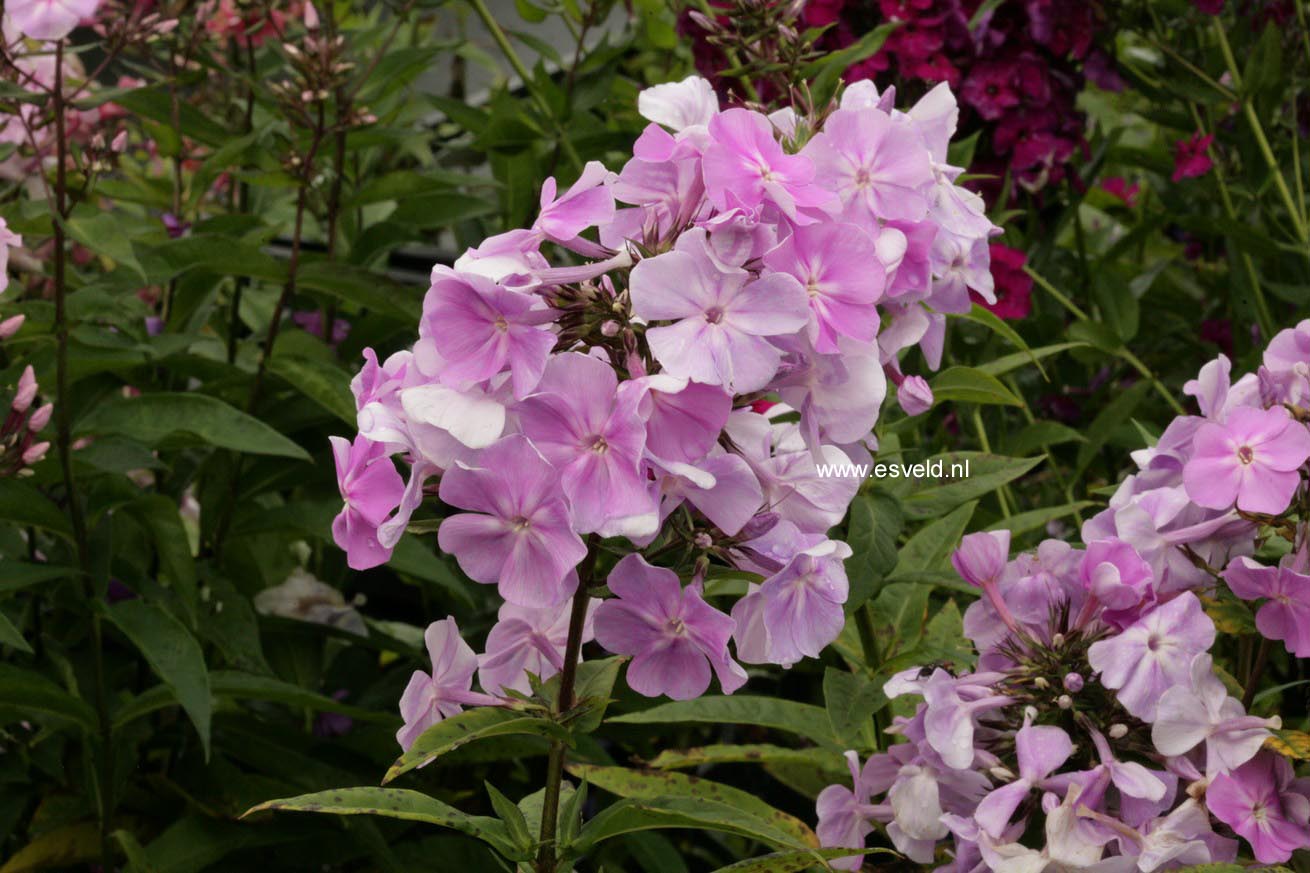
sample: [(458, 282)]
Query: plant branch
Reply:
[(546, 853)]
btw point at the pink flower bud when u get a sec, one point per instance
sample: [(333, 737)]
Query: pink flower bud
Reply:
[(26, 390), (119, 144), (1073, 682), (10, 326), (914, 395), (982, 556), (35, 452), (40, 418), (310, 17)]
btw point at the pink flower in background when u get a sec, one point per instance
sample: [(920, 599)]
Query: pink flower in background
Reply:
[(49, 19), (311, 321), (1285, 614), (527, 641), (991, 89), (674, 636), (1191, 158), (518, 535), (1209, 7), (1251, 459), (8, 240), (1119, 188), (371, 488), (1261, 803), (431, 697), (1013, 286)]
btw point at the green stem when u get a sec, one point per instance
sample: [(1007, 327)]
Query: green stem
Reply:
[(1261, 140), (1055, 292), (64, 441), (872, 656), (546, 855), (1001, 496), (1145, 371), (502, 41)]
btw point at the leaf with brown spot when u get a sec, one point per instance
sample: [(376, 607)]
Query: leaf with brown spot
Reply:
[(467, 727)]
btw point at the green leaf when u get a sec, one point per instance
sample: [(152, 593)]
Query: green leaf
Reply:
[(851, 700), (159, 516), (192, 418), (10, 636), (34, 695), (17, 575), (397, 803), (515, 822), (642, 814), (802, 719), (236, 685), (682, 759), (1024, 522), (931, 546), (875, 523), (467, 727), (321, 381), (173, 653), (1115, 413), (105, 233), (363, 288), (22, 504), (133, 853), (59, 847), (646, 784), (990, 320), (1040, 434), (593, 686), (970, 385), (983, 474), (1002, 365), (825, 72), (794, 862)]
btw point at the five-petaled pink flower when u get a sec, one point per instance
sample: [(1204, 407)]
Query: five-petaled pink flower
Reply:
[(371, 488), (49, 19), (431, 697), (1285, 615), (1191, 156), (1253, 459), (745, 166), (674, 636), (1260, 803), (517, 535)]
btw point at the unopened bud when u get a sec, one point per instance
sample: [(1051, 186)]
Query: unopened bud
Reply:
[(40, 418), (35, 452), (703, 540), (1064, 701), (1057, 641), (26, 390), (1041, 683), (1117, 731), (119, 144), (10, 326), (1073, 682), (609, 328), (1002, 774)]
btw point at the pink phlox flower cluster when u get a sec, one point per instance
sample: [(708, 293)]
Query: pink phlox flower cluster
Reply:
[(596, 375), (1096, 708)]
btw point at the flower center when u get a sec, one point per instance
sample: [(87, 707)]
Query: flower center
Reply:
[(520, 523), (714, 315), (1245, 454), (597, 444), (1153, 642), (501, 324), (676, 626), (812, 287), (766, 172), (1260, 812), (862, 178)]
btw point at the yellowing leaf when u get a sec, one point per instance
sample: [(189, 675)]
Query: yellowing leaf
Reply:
[(1289, 744)]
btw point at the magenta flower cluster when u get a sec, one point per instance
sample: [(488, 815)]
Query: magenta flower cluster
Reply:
[(1095, 731), (596, 375)]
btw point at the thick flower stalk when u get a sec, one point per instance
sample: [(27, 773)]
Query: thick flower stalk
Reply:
[(1096, 731), (598, 376)]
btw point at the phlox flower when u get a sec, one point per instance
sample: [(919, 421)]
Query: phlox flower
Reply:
[(1259, 801), (304, 597), (722, 319), (802, 602), (837, 265), (517, 535), (479, 328), (914, 395), (431, 697), (683, 418), (371, 489), (526, 640), (587, 203), (1041, 750), (845, 813), (674, 636), (1191, 158), (1153, 654), (875, 163), (744, 165), (679, 105), (593, 435), (49, 19), (1285, 615), (8, 240), (1201, 711), (1121, 581), (1251, 459)]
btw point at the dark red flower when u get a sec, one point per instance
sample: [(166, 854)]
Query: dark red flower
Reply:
[(1118, 187), (1190, 156), (1209, 7), (990, 89), (1220, 332), (1014, 287)]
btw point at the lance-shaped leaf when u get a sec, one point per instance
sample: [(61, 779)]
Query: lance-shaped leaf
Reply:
[(467, 727), (802, 719), (794, 862), (35, 696), (398, 803)]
